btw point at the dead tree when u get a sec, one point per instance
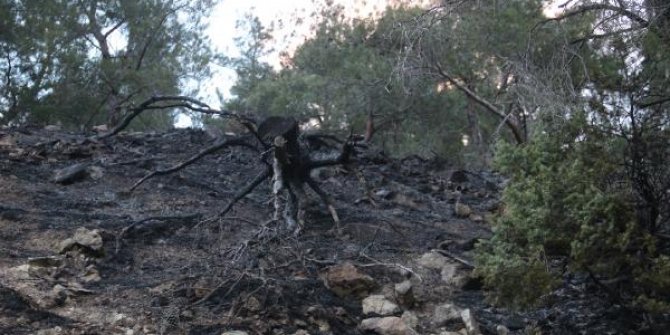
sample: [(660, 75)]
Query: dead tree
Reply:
[(281, 150)]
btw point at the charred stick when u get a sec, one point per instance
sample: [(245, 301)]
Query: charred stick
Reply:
[(246, 190), (238, 141), (342, 158), (177, 102), (325, 198)]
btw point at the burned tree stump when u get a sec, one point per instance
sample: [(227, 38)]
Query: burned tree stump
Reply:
[(290, 171), (282, 154)]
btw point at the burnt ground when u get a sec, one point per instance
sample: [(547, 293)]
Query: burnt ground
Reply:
[(167, 264)]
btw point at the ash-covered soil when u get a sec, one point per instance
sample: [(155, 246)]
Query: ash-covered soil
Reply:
[(79, 254)]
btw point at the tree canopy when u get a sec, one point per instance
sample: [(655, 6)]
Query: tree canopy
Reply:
[(83, 63)]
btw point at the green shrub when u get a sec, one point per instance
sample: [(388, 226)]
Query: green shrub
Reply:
[(569, 208)]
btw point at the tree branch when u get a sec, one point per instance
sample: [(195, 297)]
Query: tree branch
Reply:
[(594, 7), (181, 101), (246, 190), (482, 102), (238, 141)]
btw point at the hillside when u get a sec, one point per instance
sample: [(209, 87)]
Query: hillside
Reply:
[(79, 254)]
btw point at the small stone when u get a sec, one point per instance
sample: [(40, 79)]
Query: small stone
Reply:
[(117, 318), (384, 193), (502, 330), (57, 296), (390, 325), (91, 275), (462, 210), (50, 331), (235, 332), (100, 128), (445, 314), (187, 314), (410, 319), (345, 279), (460, 332), (96, 172), (453, 275), (252, 304), (88, 242), (53, 127), (476, 218), (70, 174), (471, 324), (6, 140), (404, 293), (378, 304), (323, 325), (433, 260), (44, 262)]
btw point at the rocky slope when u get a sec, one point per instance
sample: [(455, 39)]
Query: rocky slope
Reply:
[(79, 254)]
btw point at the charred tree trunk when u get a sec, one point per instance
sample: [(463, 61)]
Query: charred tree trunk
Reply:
[(290, 170)]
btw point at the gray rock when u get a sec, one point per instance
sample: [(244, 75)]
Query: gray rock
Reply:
[(345, 279), (462, 210), (56, 296), (384, 193), (460, 332), (234, 332), (95, 172), (446, 314), (453, 274), (390, 325), (502, 330), (70, 174), (410, 319), (433, 260), (404, 293), (50, 331), (471, 325), (378, 304), (88, 242)]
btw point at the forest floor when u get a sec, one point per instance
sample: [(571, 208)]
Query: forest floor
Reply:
[(85, 256)]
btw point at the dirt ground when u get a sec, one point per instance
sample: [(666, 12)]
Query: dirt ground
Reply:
[(85, 256)]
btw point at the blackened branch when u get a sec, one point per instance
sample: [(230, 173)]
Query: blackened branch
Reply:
[(237, 141), (265, 174), (177, 101)]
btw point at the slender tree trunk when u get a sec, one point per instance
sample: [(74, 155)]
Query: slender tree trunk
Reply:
[(474, 130), (370, 126)]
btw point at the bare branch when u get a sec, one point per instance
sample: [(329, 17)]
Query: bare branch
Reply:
[(482, 102), (238, 141), (178, 101), (600, 7), (116, 26), (246, 190)]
